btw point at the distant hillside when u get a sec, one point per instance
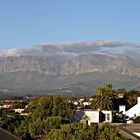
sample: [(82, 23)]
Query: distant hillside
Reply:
[(70, 68)]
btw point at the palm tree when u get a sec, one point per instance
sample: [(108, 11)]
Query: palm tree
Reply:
[(109, 89), (132, 98), (102, 100)]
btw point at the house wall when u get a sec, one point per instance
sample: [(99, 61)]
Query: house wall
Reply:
[(86, 103), (138, 100), (108, 116), (122, 109), (135, 110), (93, 116), (18, 110)]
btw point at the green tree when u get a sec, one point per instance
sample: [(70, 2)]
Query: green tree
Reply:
[(52, 122), (62, 107), (36, 128), (50, 106), (41, 108), (131, 97), (73, 132), (23, 130), (103, 97), (45, 114), (9, 120), (109, 132)]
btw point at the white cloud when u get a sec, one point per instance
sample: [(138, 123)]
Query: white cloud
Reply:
[(73, 48)]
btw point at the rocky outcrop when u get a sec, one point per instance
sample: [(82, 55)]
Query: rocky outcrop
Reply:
[(100, 63), (29, 64), (84, 63)]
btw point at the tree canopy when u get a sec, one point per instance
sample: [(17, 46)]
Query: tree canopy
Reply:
[(51, 106), (103, 98)]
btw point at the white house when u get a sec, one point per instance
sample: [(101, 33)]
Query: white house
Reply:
[(108, 116), (19, 110), (86, 103), (75, 103), (122, 109), (81, 100), (134, 111), (93, 116), (97, 116)]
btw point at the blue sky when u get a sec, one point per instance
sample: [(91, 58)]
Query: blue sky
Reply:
[(26, 23)]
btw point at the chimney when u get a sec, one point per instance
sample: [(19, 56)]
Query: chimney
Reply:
[(138, 100), (122, 109)]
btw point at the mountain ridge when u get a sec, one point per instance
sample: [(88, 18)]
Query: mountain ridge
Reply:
[(58, 62)]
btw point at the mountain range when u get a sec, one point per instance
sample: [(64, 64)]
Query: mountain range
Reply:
[(70, 68)]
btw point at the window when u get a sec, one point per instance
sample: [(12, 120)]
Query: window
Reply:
[(108, 117)]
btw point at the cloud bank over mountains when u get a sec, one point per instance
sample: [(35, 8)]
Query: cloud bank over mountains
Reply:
[(74, 48)]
